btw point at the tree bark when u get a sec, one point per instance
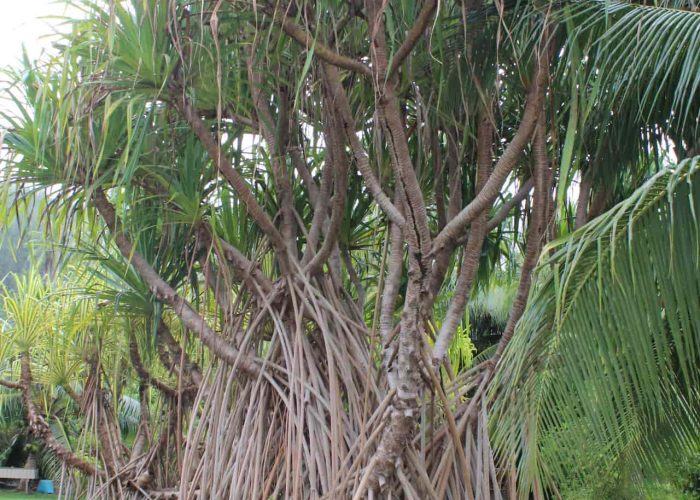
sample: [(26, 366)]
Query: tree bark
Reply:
[(458, 225), (40, 427), (472, 252), (535, 234)]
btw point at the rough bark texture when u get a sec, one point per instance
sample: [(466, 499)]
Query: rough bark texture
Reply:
[(339, 103), (458, 225), (472, 252), (40, 427)]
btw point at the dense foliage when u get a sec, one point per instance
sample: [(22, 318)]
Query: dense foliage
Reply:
[(303, 249)]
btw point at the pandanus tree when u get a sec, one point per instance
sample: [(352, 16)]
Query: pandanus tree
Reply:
[(294, 200)]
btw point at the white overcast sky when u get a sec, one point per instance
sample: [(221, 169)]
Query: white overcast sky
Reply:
[(27, 22)]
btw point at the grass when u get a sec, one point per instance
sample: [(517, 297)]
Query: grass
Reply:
[(14, 495)]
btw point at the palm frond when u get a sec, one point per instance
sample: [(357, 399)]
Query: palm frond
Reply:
[(649, 54), (610, 340)]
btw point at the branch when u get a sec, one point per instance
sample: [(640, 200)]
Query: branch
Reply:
[(40, 427), (458, 226), (235, 179), (300, 166), (339, 101), (320, 50), (165, 293), (320, 216), (442, 258), (439, 183), (276, 146), (417, 229), (412, 37), (243, 268), (455, 174), (10, 385), (390, 294), (144, 374), (472, 253), (534, 236), (340, 192), (354, 279), (505, 209), (175, 355)]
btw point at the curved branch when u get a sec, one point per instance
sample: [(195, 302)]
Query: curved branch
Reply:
[(40, 427), (243, 268), (505, 209), (300, 166), (165, 293), (417, 229), (412, 37), (320, 216), (458, 225)]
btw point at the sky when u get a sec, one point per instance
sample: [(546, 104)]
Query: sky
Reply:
[(27, 22)]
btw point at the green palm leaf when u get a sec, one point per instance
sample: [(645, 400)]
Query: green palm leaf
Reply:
[(648, 54), (608, 348)]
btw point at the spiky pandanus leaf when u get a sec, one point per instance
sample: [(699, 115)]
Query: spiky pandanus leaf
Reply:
[(607, 350)]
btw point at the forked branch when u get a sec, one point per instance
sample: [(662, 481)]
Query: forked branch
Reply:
[(458, 226)]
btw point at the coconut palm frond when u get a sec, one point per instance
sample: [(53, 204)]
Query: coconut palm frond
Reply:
[(610, 340), (649, 54)]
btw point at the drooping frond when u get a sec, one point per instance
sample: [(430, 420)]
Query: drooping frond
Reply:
[(606, 351), (647, 54)]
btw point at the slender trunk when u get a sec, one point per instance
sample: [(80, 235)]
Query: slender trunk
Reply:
[(535, 233), (472, 252)]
